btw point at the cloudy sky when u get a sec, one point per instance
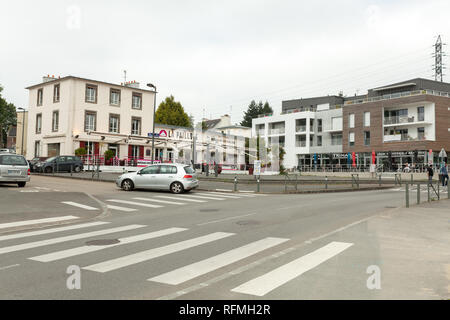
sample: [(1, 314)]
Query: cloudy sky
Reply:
[(216, 56)]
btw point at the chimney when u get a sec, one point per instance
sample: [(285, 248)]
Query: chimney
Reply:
[(225, 120)]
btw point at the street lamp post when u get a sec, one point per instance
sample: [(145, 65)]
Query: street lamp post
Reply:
[(153, 131), (23, 127)]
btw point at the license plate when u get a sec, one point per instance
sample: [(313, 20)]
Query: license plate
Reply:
[(14, 172)]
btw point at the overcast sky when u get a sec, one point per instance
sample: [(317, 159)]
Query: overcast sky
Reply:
[(216, 56)]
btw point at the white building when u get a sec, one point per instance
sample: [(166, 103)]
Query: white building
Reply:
[(71, 112)]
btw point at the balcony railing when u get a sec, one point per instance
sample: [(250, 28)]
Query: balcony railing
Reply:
[(402, 137), (398, 120), (276, 131), (300, 144), (300, 128)]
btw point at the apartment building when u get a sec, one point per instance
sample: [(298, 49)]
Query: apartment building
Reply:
[(405, 122), (71, 112)]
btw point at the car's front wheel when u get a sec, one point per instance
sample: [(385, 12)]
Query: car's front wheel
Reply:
[(127, 185), (176, 187), (21, 184), (77, 169), (48, 170)]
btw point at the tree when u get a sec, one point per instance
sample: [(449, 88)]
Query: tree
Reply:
[(8, 117), (254, 110), (171, 112), (80, 152)]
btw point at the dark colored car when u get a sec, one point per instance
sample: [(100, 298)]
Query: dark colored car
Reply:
[(35, 161), (60, 164)]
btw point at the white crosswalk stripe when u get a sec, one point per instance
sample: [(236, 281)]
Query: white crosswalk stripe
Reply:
[(264, 284), (217, 195), (79, 205), (232, 194), (140, 204), (121, 262), (120, 208), (202, 267), (182, 199), (35, 221), (47, 242), (87, 249), (53, 230), (160, 201), (200, 197)]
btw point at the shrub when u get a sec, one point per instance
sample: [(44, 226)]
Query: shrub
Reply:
[(80, 152)]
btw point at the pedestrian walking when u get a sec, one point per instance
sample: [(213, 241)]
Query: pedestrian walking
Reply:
[(444, 174), (430, 173)]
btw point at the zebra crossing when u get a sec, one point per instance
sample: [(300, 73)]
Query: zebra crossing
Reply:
[(161, 200), (244, 249)]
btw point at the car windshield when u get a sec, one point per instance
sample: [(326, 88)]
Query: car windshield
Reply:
[(13, 160), (50, 159), (189, 170)]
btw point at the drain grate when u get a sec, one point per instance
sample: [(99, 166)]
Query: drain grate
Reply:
[(247, 222), (209, 210), (102, 242)]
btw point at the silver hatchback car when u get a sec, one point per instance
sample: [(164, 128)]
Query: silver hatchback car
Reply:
[(14, 168), (175, 177)]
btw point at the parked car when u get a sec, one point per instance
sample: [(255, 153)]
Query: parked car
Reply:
[(6, 150), (60, 164), (14, 169), (176, 178), (33, 162)]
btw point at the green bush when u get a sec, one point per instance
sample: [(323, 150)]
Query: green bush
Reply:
[(109, 154), (80, 152)]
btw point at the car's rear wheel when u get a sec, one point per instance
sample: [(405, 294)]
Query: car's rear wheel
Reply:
[(77, 169), (176, 187), (127, 185), (48, 170), (21, 184)]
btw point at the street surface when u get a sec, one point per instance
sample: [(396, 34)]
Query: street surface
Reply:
[(219, 245)]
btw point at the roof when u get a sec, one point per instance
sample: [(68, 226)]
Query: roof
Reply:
[(84, 79), (211, 123), (234, 127)]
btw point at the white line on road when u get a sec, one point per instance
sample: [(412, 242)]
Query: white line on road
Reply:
[(87, 249), (53, 230), (200, 197), (218, 195), (197, 269), (182, 199), (264, 284), (47, 242), (232, 194), (79, 205), (160, 201), (224, 190), (225, 219), (35, 221), (120, 208), (154, 253), (135, 203), (9, 267)]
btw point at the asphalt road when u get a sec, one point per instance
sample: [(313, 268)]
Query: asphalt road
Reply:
[(204, 245)]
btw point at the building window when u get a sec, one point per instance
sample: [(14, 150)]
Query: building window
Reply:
[(114, 121), (40, 97), (136, 102), (319, 141), (90, 121), (55, 121), (366, 119), (319, 125), (135, 151), (37, 149), (367, 138), (351, 120), (56, 93), (351, 139), (39, 123), (114, 97), (421, 113), (311, 143), (136, 126), (421, 133), (91, 93), (336, 139)]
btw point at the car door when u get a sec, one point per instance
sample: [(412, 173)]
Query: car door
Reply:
[(166, 176), (146, 178), (61, 164)]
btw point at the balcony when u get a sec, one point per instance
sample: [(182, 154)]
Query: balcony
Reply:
[(300, 128), (398, 120), (300, 144), (402, 137), (276, 131)]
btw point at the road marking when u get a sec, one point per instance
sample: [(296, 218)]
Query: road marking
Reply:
[(182, 199), (136, 203), (156, 252), (79, 205), (120, 208), (35, 221), (232, 194), (200, 197), (9, 267), (161, 201), (217, 195), (47, 242), (87, 249), (247, 191), (264, 284), (224, 190), (197, 269), (46, 231), (225, 219)]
